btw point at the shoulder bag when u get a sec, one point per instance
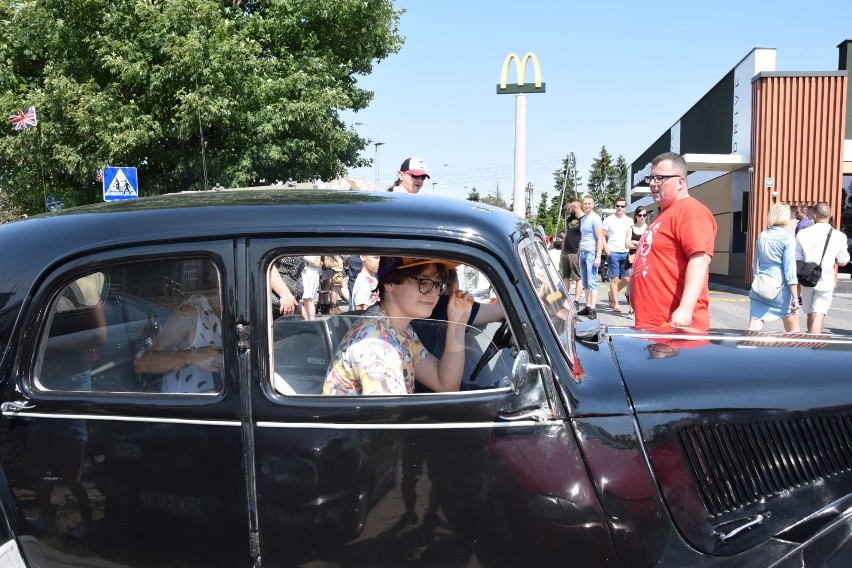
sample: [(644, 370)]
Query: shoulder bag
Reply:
[(809, 273), (764, 285)]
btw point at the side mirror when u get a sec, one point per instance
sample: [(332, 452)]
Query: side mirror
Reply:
[(519, 371), (522, 369)]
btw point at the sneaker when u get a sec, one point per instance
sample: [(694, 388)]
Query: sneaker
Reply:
[(584, 311), (593, 314), (577, 304)]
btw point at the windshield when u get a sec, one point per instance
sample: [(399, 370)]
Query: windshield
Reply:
[(551, 293)]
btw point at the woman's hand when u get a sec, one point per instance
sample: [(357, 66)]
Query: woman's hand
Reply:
[(460, 305), (208, 357), (288, 304)]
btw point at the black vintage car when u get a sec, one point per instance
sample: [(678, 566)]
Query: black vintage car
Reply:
[(568, 444)]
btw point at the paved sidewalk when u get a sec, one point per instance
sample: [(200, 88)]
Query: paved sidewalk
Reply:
[(729, 309)]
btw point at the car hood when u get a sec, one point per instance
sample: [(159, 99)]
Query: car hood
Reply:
[(668, 372)]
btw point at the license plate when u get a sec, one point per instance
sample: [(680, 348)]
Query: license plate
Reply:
[(191, 508)]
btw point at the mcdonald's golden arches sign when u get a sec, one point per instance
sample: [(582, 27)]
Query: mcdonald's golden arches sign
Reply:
[(520, 68)]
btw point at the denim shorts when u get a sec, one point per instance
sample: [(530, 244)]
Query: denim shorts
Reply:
[(588, 270), (617, 265)]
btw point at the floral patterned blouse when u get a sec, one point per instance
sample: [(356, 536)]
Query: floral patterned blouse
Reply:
[(375, 359)]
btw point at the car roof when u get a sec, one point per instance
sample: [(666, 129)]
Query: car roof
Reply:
[(40, 241)]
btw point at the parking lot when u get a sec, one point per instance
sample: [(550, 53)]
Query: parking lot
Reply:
[(729, 310)]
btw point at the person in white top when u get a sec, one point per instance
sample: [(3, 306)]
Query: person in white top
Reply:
[(810, 244), (617, 226)]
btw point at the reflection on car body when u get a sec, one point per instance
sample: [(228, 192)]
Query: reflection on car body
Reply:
[(601, 446)]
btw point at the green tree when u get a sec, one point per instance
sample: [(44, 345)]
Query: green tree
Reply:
[(474, 195), (258, 85), (9, 211), (541, 213), (566, 182), (607, 179), (496, 199)]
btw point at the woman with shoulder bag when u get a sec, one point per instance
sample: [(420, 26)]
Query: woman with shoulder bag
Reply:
[(773, 292)]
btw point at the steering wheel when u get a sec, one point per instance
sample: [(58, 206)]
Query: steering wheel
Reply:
[(502, 338)]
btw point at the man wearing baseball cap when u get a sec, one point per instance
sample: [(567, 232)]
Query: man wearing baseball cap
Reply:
[(412, 174)]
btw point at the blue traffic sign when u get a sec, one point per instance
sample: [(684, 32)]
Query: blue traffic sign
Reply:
[(120, 184)]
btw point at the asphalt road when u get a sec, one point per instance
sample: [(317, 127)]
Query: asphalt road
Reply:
[(729, 310)]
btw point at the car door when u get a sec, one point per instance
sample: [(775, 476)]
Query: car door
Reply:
[(460, 478), (106, 459)]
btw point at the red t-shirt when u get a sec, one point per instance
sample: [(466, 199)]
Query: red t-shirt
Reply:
[(685, 228)]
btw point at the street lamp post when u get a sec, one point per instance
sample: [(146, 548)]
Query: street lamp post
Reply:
[(376, 145), (434, 183), (377, 169), (458, 180)]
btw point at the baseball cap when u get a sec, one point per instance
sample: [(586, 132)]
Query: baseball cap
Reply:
[(415, 166), (391, 263)]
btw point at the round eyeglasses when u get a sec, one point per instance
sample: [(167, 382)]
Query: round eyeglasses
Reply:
[(426, 285)]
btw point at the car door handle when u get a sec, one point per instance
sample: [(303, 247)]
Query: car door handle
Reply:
[(15, 406), (535, 414), (744, 527)]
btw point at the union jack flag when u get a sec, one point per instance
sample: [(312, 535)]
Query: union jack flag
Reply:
[(24, 119)]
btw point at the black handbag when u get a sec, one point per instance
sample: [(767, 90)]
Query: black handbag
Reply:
[(809, 273)]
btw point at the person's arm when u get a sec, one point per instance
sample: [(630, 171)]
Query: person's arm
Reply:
[(842, 258), (628, 239), (288, 301), (600, 248), (788, 269), (446, 375), (488, 313), (697, 270), (166, 354)]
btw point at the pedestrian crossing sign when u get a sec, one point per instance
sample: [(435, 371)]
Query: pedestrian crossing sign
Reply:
[(120, 184)]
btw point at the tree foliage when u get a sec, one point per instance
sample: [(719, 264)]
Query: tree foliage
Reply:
[(496, 199), (9, 211), (566, 182), (607, 179), (474, 195), (143, 83)]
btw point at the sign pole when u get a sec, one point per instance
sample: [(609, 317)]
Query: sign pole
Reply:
[(518, 207), (519, 88)]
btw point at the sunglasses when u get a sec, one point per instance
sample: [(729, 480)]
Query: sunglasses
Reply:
[(641, 214), (421, 178)]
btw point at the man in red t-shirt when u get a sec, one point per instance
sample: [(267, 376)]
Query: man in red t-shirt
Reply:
[(668, 285)]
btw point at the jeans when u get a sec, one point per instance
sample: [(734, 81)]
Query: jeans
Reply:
[(588, 270)]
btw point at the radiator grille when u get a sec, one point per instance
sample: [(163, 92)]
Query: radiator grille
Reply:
[(735, 465)]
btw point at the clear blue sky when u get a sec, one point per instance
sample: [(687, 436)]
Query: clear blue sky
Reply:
[(617, 73)]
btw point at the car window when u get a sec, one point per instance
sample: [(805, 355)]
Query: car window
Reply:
[(151, 326), (550, 291), (328, 348)]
